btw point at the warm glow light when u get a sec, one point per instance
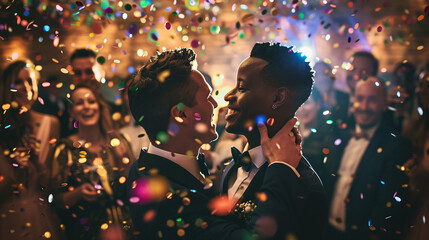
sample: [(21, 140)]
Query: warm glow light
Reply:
[(306, 51)]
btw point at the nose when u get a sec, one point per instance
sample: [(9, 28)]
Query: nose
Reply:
[(85, 76), (230, 95), (86, 104), (213, 101), (363, 105)]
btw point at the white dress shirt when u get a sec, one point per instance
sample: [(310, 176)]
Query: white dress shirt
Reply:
[(349, 163), (237, 186), (187, 162)]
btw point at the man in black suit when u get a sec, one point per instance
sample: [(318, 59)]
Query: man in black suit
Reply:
[(363, 177), (169, 193), (272, 84)]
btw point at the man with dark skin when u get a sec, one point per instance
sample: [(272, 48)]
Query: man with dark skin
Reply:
[(272, 84)]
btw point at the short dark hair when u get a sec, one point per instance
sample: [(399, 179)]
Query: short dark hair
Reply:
[(286, 68), (371, 57), (82, 53), (159, 85)]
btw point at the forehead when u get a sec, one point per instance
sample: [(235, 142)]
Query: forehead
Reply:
[(362, 61), (83, 62), (83, 93), (199, 79), (251, 66), (369, 88)]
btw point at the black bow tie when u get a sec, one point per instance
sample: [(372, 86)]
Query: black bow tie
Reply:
[(241, 159), (202, 164)]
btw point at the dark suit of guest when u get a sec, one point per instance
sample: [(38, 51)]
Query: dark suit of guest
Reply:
[(306, 196), (371, 209), (184, 211)]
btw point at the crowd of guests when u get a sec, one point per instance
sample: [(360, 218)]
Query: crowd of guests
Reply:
[(66, 163)]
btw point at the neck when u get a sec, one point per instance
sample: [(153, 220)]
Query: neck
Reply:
[(254, 138), (180, 144), (90, 133)]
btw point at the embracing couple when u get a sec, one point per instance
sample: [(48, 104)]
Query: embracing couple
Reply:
[(276, 188)]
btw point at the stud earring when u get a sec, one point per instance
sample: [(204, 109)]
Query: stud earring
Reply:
[(274, 106)]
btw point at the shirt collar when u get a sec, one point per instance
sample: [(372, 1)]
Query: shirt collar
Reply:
[(187, 162), (256, 156), (370, 131)]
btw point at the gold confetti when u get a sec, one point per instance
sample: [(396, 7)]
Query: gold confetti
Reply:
[(261, 196), (5, 106), (163, 75), (180, 232), (125, 160), (122, 180), (114, 142), (116, 116), (47, 235), (104, 226), (186, 201), (206, 147), (55, 60), (170, 223)]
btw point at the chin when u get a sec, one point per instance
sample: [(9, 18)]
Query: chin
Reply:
[(87, 124), (366, 125)]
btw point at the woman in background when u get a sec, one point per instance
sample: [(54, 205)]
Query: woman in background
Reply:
[(26, 139), (89, 171)]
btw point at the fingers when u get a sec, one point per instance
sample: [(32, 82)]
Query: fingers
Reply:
[(89, 193), (88, 189), (263, 132), (409, 163), (298, 136), (287, 128)]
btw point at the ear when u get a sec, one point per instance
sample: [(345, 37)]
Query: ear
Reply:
[(281, 95), (180, 116)]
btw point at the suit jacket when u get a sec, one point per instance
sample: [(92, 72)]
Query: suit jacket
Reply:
[(184, 211), (378, 180), (306, 217)]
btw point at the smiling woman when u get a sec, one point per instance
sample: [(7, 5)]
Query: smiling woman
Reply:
[(89, 169)]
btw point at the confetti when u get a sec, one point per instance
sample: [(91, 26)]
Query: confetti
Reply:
[(221, 205), (260, 119), (101, 60), (114, 142)]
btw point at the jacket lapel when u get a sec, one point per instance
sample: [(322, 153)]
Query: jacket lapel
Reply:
[(230, 168), (254, 185), (169, 169), (369, 157)]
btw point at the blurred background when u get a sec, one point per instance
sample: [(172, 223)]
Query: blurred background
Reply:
[(222, 32)]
